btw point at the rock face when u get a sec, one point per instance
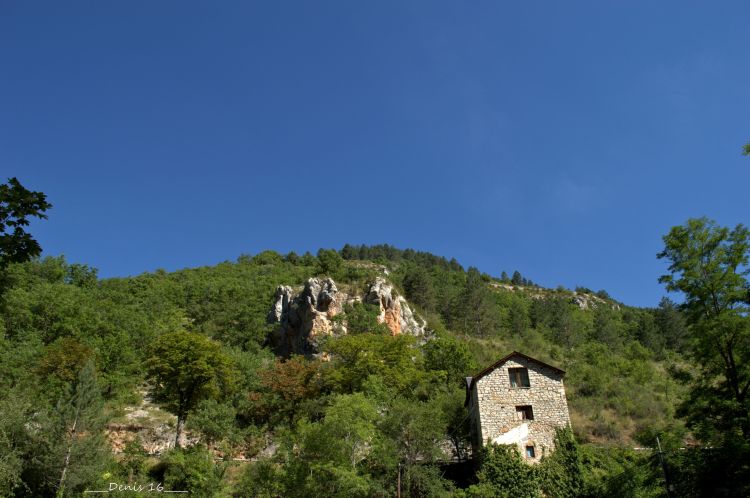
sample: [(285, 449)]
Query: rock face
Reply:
[(590, 302), (394, 310), (305, 317)]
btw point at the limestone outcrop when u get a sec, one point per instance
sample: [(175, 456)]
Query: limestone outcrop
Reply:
[(303, 318), (394, 310)]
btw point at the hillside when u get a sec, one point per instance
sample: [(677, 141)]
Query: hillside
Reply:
[(389, 362)]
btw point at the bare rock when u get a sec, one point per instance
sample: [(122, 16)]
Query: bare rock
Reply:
[(394, 310), (302, 319)]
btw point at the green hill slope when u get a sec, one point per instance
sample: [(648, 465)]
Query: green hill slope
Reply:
[(403, 396)]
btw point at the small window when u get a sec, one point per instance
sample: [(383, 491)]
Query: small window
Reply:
[(530, 452), (519, 377), (525, 412)]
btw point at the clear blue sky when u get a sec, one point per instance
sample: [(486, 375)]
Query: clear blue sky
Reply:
[(562, 139)]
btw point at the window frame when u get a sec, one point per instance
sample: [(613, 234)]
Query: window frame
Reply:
[(518, 376), (526, 410)]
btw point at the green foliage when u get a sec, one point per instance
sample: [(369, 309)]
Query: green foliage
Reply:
[(475, 311), (215, 421), (671, 325), (451, 356), (191, 469), (504, 474), (14, 441), (328, 457), (709, 266), (74, 446), (561, 474), (133, 464), (63, 359), (186, 368), (418, 287), (270, 258), (425, 480), (402, 396), (285, 386), (261, 479), (415, 429), (329, 262), (362, 318), (17, 205), (619, 473), (356, 357), (516, 279)]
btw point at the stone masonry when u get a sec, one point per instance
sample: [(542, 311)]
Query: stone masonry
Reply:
[(499, 413)]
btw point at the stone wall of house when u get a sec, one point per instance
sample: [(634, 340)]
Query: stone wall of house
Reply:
[(496, 403), (475, 429)]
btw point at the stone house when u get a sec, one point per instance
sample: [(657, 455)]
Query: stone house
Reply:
[(517, 400)]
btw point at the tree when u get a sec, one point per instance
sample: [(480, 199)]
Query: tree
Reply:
[(328, 458), (478, 314), (17, 205), (330, 261), (746, 149), (357, 357), (504, 474), (516, 279), (186, 368), (518, 316), (192, 469), (709, 265), (418, 287), (290, 383), (451, 356), (561, 474), (362, 318), (77, 448), (416, 429), (671, 324), (215, 421)]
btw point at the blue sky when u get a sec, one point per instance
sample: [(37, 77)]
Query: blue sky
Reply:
[(562, 139)]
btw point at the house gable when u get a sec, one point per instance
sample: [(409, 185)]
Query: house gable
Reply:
[(518, 400)]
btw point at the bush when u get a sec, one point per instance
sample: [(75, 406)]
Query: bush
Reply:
[(504, 474), (190, 469)]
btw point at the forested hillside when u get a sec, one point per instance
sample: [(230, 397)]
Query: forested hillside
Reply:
[(399, 399)]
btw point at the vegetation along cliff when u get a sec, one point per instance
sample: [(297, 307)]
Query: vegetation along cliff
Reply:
[(343, 374)]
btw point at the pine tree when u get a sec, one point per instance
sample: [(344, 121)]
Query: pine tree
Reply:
[(418, 287), (77, 450), (516, 279), (477, 308)]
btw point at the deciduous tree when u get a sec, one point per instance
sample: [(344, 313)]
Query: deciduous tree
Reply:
[(17, 205), (186, 368), (289, 384), (709, 266)]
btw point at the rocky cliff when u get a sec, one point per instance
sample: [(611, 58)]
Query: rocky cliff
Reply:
[(305, 316)]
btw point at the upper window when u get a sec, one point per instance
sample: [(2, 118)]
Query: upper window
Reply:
[(530, 453), (519, 377)]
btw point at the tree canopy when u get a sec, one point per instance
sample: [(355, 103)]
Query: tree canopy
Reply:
[(186, 368), (17, 206)]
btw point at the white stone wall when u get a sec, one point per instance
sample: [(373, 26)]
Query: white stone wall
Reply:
[(496, 401)]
